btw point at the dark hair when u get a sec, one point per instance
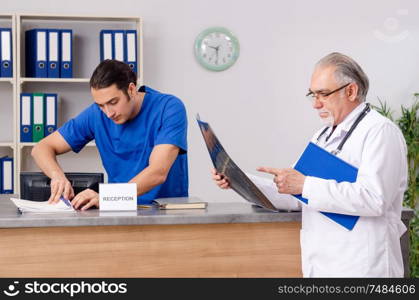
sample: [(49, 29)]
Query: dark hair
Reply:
[(110, 72)]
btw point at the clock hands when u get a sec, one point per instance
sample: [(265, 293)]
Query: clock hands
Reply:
[(216, 48)]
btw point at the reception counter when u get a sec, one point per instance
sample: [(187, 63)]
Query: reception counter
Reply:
[(223, 240)]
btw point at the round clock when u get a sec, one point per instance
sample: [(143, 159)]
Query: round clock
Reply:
[(216, 49)]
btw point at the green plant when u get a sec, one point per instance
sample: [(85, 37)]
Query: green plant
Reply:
[(384, 109), (414, 246), (409, 125)]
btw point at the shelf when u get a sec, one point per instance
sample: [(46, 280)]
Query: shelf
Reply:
[(21, 145), (78, 18), (55, 80), (6, 79), (3, 144)]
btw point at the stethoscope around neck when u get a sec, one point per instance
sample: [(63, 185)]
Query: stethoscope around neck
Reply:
[(358, 119)]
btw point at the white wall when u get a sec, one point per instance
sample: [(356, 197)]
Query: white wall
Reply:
[(257, 108)]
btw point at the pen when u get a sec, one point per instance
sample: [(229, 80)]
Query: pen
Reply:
[(66, 201), (142, 206)]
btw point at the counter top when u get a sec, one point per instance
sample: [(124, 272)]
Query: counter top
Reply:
[(216, 212)]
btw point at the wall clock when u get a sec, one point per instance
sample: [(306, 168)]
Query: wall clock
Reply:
[(216, 48)]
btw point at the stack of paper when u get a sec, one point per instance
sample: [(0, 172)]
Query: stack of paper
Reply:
[(41, 206)]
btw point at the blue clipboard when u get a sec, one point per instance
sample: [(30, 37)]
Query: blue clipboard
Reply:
[(317, 162)]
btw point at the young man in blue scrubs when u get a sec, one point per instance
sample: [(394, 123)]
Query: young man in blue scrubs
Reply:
[(140, 135)]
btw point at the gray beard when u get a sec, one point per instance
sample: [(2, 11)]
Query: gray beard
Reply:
[(329, 121)]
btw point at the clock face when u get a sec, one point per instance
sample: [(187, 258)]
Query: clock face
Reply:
[(216, 49)]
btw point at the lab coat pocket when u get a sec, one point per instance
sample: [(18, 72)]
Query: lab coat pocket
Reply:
[(306, 269), (337, 253)]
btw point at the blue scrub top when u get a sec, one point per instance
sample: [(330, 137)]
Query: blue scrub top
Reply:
[(125, 148)]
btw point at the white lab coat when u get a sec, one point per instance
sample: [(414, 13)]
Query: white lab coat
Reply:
[(372, 249)]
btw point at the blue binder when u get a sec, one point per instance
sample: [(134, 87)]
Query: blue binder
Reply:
[(106, 45), (119, 48), (66, 65), (6, 63), (26, 119), (131, 49), (36, 48), (54, 53), (317, 162), (7, 175), (50, 113), (1, 175)]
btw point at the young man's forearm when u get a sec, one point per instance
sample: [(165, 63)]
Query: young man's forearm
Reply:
[(148, 179), (46, 159), (161, 160)]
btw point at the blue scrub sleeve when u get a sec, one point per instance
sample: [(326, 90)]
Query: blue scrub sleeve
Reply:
[(78, 131), (174, 125)]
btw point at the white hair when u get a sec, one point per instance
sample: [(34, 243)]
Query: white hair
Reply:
[(347, 70)]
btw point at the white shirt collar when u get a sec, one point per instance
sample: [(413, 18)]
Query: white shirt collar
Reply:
[(346, 124)]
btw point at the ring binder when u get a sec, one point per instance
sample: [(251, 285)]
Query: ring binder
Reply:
[(106, 45), (119, 45), (6, 52), (36, 53), (26, 119), (66, 39), (50, 113), (53, 53), (38, 117), (131, 49), (6, 175)]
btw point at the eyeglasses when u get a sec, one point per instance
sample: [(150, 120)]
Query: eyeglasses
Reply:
[(322, 96)]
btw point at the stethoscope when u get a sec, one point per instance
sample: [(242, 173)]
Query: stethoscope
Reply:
[(360, 117)]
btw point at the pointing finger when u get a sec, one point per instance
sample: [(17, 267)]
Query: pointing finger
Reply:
[(269, 170)]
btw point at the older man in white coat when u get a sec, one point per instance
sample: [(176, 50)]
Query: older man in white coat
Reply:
[(373, 144)]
